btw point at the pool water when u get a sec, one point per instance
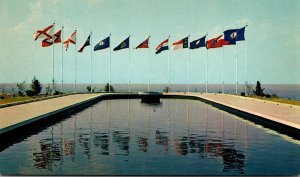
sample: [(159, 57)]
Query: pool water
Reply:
[(175, 137)]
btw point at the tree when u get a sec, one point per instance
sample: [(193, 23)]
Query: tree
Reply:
[(258, 90), (36, 87)]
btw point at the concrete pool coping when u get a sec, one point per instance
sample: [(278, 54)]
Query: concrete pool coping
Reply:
[(21, 116)]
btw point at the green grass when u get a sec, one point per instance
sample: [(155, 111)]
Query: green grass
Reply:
[(14, 99), (279, 100)]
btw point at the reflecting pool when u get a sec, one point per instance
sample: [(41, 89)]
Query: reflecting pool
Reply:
[(175, 137)]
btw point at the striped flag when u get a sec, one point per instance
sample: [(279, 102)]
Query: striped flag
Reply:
[(164, 45), (181, 44), (144, 44)]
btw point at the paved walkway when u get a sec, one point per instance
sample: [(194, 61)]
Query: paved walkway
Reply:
[(15, 116), (19, 115), (278, 112)]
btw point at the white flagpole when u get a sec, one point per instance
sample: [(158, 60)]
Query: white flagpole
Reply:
[(169, 65), (62, 60), (206, 70), (246, 69), (189, 68), (53, 89), (75, 62), (109, 63), (223, 71), (236, 70), (149, 64), (91, 60), (129, 67)]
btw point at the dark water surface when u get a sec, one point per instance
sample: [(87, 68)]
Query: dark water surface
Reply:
[(176, 137)]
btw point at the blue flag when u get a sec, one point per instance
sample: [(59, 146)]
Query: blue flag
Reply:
[(123, 45), (198, 43), (102, 44), (233, 35)]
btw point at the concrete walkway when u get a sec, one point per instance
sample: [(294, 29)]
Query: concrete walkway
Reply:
[(279, 112), (19, 115)]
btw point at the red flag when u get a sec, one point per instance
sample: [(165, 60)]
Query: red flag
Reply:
[(48, 42), (144, 44), (213, 43), (218, 42), (44, 33), (71, 39)]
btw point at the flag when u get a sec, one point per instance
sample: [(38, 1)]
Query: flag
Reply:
[(123, 45), (213, 43), (198, 43), (87, 43), (218, 42), (44, 33), (222, 42), (71, 39), (235, 34), (182, 43), (102, 44), (162, 46), (144, 44), (56, 37)]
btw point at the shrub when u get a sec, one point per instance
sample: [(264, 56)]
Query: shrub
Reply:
[(22, 88), (107, 86), (21, 93), (243, 94), (89, 88), (274, 95), (166, 89), (267, 95)]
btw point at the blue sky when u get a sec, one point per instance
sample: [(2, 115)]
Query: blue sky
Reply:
[(271, 47)]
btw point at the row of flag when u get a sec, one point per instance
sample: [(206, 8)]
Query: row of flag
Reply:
[(229, 37)]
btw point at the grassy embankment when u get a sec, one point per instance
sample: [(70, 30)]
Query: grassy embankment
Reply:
[(14, 99), (279, 100)]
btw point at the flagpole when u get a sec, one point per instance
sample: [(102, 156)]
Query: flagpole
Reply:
[(129, 68), (149, 64), (169, 65), (91, 44), (62, 60), (75, 63), (246, 69), (189, 69), (236, 70), (53, 89), (206, 70), (223, 71), (109, 64)]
